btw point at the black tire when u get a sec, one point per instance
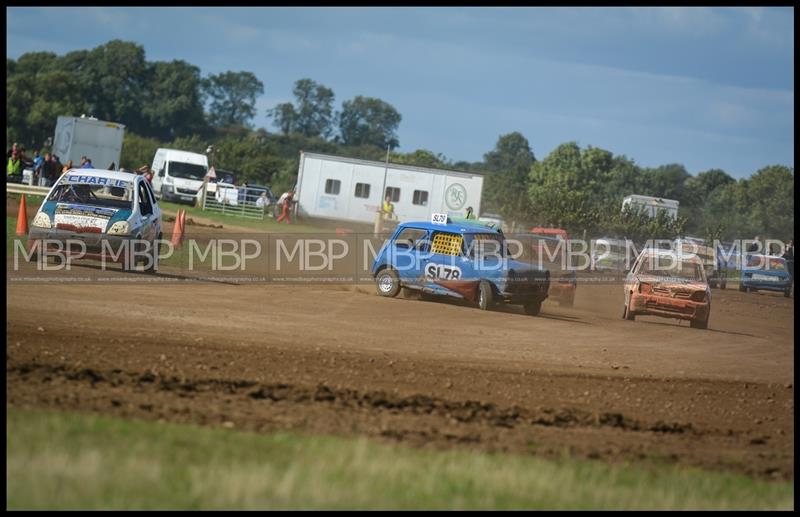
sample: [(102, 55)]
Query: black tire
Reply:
[(787, 293), (742, 288), (152, 268), (485, 296), (533, 308), (628, 314), (723, 284), (696, 324), (388, 283)]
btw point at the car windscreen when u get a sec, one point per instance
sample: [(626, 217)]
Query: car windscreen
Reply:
[(90, 190), (669, 267), (190, 171)]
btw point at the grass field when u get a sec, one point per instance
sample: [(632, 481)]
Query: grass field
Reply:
[(68, 460)]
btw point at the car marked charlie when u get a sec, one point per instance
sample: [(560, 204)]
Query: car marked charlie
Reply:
[(106, 214)]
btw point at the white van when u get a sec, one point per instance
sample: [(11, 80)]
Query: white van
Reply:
[(178, 175)]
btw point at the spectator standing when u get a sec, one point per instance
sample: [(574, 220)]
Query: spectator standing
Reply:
[(14, 166), (87, 164), (38, 163), (285, 202), (788, 255), (66, 167)]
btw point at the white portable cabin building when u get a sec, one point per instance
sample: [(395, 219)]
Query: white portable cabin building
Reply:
[(652, 204), (349, 189)]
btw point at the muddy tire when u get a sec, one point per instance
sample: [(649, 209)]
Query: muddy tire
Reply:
[(787, 293), (628, 314), (388, 283), (723, 284), (699, 324), (485, 296), (742, 288), (533, 308), (151, 265)]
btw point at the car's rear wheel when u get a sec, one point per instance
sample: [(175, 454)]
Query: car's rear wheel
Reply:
[(723, 283), (533, 308), (485, 295), (388, 282), (742, 288), (788, 292)]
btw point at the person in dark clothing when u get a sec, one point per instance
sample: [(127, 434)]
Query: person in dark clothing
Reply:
[(788, 255)]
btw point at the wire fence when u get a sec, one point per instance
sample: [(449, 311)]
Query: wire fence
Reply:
[(251, 203)]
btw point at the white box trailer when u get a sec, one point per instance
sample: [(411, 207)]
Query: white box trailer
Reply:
[(349, 189), (652, 205), (98, 140)]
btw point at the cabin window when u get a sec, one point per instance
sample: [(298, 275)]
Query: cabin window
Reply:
[(332, 186), (362, 190), (393, 193), (420, 197)]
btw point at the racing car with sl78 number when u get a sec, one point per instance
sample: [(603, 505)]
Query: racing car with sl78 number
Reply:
[(103, 211), (463, 259)]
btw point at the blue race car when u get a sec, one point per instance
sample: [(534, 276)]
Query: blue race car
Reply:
[(463, 259), (767, 273)]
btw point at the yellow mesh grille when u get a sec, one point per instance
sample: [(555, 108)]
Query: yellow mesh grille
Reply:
[(447, 244)]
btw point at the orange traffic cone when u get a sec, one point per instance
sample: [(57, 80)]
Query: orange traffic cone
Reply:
[(22, 217), (177, 230), (183, 227)]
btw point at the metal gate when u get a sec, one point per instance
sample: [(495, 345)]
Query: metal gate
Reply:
[(237, 202)]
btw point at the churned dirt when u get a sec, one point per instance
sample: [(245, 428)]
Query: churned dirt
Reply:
[(339, 359)]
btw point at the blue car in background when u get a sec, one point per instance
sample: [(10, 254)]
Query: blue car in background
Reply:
[(765, 273), (467, 260)]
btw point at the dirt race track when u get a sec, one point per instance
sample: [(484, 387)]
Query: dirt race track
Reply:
[(342, 360)]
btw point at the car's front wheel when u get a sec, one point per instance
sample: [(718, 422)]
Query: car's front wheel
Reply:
[(485, 295), (388, 282), (699, 324), (152, 260)]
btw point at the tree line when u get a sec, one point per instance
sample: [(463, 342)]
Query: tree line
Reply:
[(170, 104)]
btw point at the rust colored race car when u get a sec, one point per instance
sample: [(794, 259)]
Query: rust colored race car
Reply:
[(549, 249), (664, 283)]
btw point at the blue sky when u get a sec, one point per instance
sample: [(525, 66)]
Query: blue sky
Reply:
[(705, 87)]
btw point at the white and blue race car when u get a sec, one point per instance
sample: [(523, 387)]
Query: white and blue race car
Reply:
[(100, 212)]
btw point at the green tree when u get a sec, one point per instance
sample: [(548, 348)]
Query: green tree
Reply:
[(174, 101), (506, 184), (770, 192), (366, 120), (233, 98), (311, 115), (420, 158)]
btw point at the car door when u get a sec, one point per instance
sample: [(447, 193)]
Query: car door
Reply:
[(446, 261), (145, 208), (410, 250)]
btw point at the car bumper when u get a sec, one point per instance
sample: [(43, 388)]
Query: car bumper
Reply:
[(669, 307), (60, 240), (767, 286)]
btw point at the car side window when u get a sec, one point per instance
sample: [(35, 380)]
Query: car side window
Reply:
[(145, 206), (149, 192), (410, 238)]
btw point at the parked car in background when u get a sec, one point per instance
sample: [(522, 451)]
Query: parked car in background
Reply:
[(765, 273)]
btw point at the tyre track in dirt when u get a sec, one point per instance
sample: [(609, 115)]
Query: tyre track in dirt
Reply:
[(341, 360)]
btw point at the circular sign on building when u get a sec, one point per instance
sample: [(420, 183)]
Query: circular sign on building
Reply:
[(455, 197)]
